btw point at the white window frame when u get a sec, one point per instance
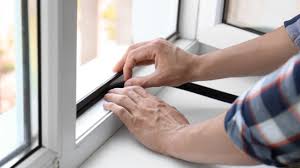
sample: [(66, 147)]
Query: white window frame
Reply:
[(199, 21), (211, 28)]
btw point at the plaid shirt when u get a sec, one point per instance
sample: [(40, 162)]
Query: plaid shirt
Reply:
[(264, 122)]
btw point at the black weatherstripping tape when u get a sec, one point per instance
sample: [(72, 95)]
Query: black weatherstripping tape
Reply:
[(98, 94), (195, 88), (191, 87), (208, 92), (198, 89)]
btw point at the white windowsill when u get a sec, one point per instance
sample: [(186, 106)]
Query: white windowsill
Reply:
[(129, 153)]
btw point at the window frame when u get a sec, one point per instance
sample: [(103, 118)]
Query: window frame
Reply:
[(58, 48), (58, 43), (243, 28)]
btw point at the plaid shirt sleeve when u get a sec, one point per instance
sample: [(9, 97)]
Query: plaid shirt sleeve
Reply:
[(264, 122)]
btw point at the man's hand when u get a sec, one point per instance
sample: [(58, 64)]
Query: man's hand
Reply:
[(173, 65), (163, 129), (150, 120)]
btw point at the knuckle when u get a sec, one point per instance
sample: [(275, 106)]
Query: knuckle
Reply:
[(130, 54), (136, 88), (132, 47), (127, 91), (122, 98), (161, 104), (121, 110), (131, 58), (130, 88), (128, 65), (158, 42), (158, 46)]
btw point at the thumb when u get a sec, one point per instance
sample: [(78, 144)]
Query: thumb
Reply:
[(151, 80)]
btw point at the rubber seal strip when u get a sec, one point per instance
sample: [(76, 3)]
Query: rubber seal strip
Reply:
[(190, 87)]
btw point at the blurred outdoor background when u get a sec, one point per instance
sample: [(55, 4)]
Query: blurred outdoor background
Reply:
[(7, 56)]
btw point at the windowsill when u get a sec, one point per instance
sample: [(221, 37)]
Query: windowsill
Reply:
[(234, 86), (129, 152), (230, 35)]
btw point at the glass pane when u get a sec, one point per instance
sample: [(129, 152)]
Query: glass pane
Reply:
[(18, 80), (105, 29), (260, 15)]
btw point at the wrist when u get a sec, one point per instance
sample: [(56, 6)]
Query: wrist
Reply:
[(197, 68), (176, 141)]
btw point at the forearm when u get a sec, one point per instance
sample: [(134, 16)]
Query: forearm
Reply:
[(255, 57), (207, 143)]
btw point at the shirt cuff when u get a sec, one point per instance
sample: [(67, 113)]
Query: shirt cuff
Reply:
[(292, 27)]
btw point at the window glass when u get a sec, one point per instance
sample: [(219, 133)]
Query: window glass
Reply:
[(105, 29), (154, 18), (18, 80), (260, 15)]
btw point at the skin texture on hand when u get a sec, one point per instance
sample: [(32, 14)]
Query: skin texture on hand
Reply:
[(148, 118), (172, 64), (163, 129)]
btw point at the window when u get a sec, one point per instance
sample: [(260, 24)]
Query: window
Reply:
[(105, 29), (72, 76), (260, 15), (19, 81)]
